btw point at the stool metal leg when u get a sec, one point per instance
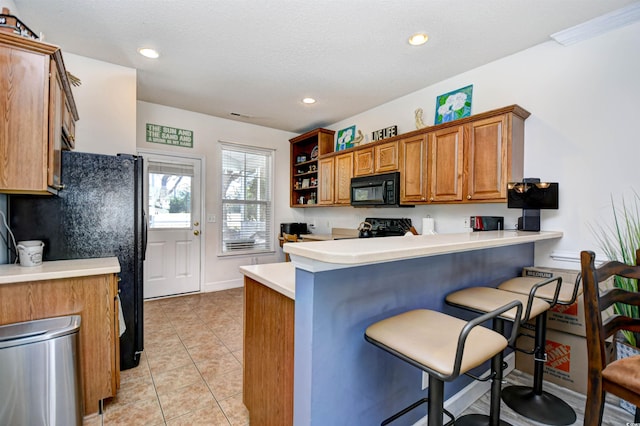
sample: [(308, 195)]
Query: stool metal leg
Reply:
[(533, 402), (493, 419)]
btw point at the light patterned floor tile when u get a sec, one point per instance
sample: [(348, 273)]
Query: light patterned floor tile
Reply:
[(143, 412), (211, 415), (235, 410), (185, 399), (226, 385), (167, 381)]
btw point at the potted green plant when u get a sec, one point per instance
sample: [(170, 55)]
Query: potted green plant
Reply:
[(620, 242)]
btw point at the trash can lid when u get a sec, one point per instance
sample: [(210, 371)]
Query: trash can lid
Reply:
[(38, 330)]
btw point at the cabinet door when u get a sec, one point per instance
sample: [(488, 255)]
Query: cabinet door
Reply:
[(325, 181), (445, 164), (23, 114), (56, 106), (386, 157), (344, 173), (488, 162), (413, 156), (363, 162)]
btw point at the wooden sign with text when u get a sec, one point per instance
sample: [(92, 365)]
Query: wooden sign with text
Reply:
[(385, 133)]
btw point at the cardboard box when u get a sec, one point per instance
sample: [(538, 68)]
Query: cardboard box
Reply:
[(566, 359), (566, 318)]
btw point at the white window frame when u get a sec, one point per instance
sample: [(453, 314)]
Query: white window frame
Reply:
[(270, 154)]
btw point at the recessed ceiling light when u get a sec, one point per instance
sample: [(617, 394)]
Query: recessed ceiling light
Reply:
[(418, 39), (308, 101), (149, 53)]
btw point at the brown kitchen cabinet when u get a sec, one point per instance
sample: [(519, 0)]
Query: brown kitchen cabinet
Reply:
[(268, 360), (335, 173), (305, 150), (466, 161), (445, 164), (94, 299), (413, 168), (380, 158), (469, 160), (34, 116)]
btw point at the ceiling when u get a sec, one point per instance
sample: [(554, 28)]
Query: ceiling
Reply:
[(258, 59)]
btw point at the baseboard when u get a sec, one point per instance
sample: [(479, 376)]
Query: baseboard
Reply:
[(222, 285), (462, 400)]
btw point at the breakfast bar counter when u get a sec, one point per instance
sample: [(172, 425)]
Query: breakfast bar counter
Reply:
[(341, 287)]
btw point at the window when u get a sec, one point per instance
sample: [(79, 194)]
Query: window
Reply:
[(247, 206), (169, 195)]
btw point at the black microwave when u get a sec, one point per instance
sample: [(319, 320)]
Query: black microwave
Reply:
[(376, 191)]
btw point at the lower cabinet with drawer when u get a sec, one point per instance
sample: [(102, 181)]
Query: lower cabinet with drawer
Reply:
[(94, 299)]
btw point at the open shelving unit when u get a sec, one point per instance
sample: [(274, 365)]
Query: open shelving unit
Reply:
[(305, 150)]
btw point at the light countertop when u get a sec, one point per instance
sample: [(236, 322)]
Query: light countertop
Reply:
[(14, 273), (325, 255), (280, 277)]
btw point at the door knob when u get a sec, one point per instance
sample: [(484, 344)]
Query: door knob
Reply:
[(196, 224), (196, 232)]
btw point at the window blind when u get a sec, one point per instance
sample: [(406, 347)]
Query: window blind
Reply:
[(247, 206)]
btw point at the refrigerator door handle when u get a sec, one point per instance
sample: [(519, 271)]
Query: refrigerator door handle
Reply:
[(145, 230)]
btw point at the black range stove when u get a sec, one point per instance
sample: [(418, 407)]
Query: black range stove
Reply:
[(384, 227)]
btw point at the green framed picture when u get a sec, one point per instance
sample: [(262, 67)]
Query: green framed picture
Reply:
[(345, 138), (454, 105)]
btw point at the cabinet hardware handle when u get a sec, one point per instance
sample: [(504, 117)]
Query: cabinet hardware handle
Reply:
[(196, 232), (431, 199), (57, 187), (468, 197)]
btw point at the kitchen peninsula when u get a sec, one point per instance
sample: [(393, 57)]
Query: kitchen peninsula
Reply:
[(341, 287)]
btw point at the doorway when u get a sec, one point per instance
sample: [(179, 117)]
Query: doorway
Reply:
[(172, 186)]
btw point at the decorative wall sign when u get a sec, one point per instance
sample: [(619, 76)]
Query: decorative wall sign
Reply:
[(454, 105), (169, 135), (385, 133), (345, 138)]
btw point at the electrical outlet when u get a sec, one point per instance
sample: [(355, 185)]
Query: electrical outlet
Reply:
[(466, 223), (211, 218)]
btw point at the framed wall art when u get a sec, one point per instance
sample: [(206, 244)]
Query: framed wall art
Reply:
[(454, 105), (345, 138)]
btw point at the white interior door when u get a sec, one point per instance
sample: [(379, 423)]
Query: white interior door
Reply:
[(173, 186)]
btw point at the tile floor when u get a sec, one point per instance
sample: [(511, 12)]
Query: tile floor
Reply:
[(191, 370)]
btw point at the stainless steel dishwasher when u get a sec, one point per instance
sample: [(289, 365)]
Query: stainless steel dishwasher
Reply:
[(39, 372)]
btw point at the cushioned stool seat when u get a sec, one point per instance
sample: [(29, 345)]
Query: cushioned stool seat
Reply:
[(486, 299), (441, 345), (531, 401), (425, 337)]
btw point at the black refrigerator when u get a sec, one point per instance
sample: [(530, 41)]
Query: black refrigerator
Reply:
[(99, 213)]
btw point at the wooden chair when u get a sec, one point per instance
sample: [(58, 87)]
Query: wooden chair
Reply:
[(288, 238), (619, 377)]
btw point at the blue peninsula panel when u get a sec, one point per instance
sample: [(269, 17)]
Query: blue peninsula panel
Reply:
[(339, 378)]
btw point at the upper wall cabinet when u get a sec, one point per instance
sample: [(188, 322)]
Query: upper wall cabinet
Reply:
[(466, 161), (470, 160), (38, 114), (379, 158)]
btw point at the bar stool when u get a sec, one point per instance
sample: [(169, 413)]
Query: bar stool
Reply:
[(532, 401), (440, 345), (487, 299)]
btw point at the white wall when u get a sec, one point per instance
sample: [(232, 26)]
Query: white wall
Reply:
[(222, 272), (106, 102), (581, 133)]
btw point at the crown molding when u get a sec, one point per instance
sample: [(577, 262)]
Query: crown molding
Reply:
[(600, 25)]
